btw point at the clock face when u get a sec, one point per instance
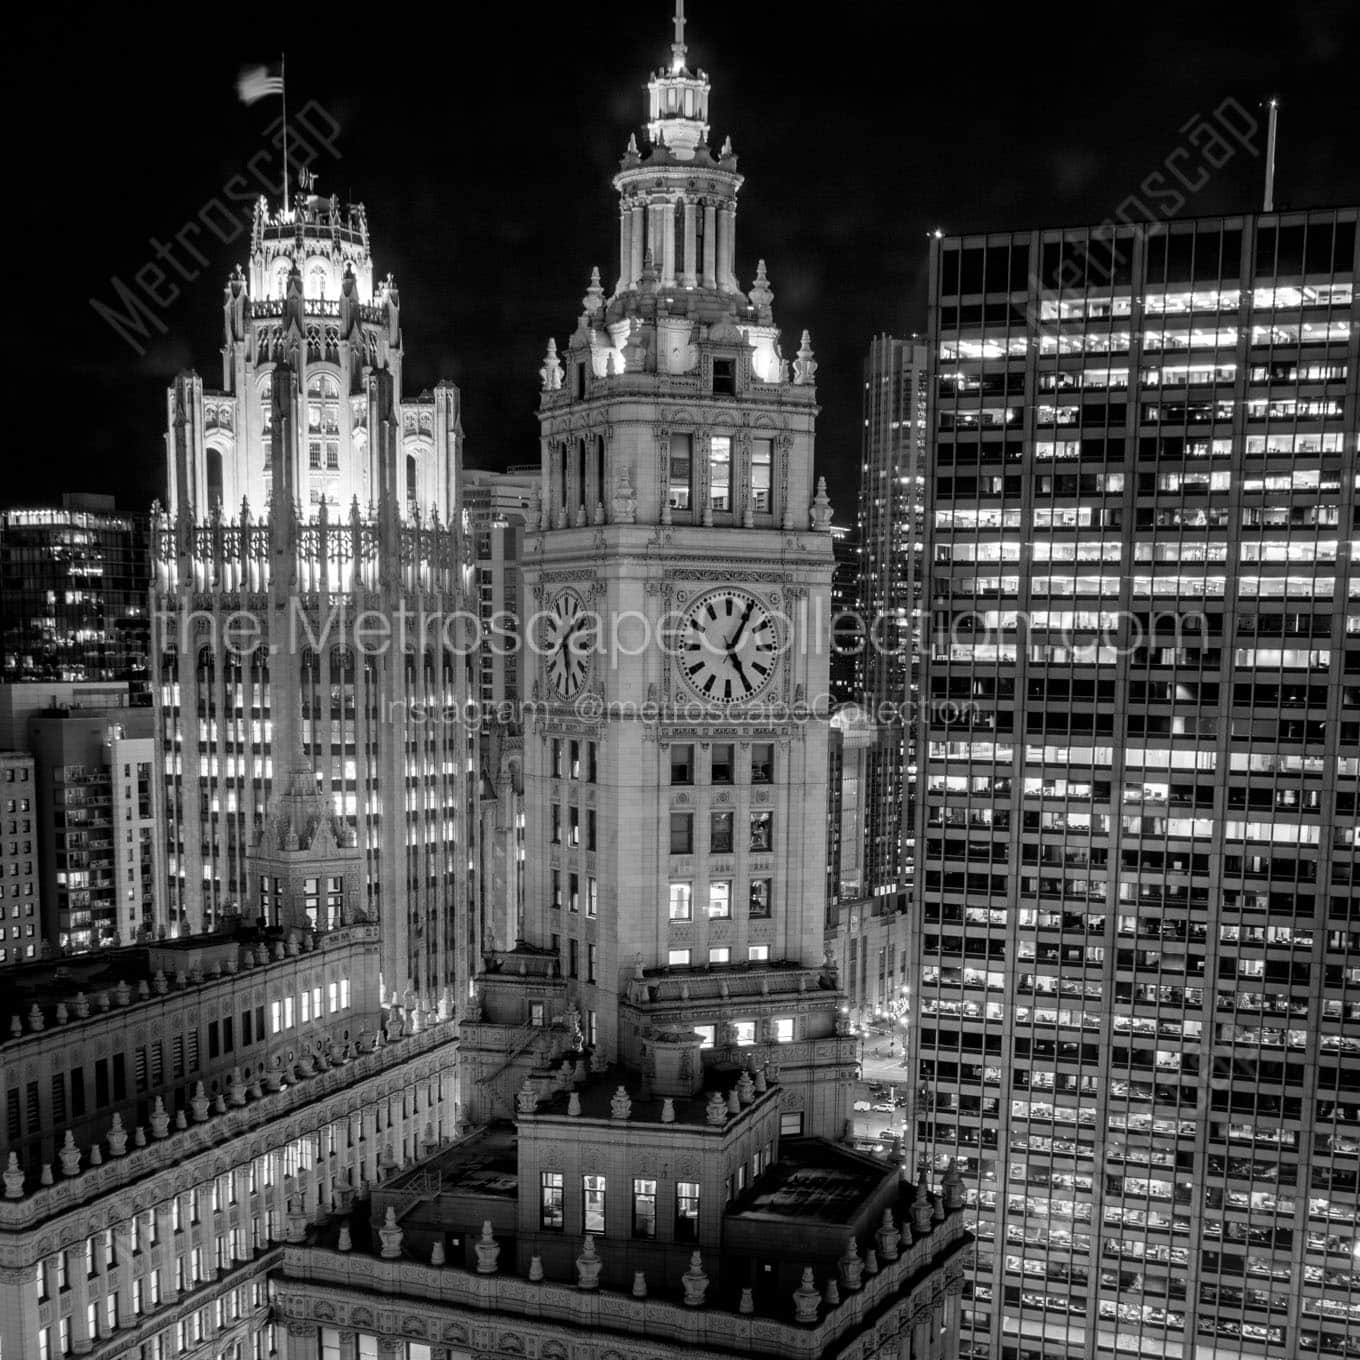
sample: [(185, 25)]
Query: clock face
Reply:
[(729, 646), (568, 640)]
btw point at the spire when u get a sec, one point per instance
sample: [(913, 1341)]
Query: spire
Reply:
[(678, 46)]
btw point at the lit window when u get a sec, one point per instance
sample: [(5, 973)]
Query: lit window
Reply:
[(686, 1211), (678, 491), (644, 1208), (677, 958), (720, 954), (720, 472), (592, 1204), (720, 900), (762, 461), (552, 1216)]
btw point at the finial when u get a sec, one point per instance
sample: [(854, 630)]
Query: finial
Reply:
[(551, 370), (805, 366), (821, 509), (678, 46), (594, 298)]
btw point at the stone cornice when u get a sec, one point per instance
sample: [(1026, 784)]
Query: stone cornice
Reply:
[(500, 1313)]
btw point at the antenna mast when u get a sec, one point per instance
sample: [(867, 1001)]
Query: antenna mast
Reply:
[(1270, 156)]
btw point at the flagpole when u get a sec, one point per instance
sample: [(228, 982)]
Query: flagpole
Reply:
[(283, 79)]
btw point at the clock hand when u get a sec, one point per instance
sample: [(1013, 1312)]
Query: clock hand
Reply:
[(741, 627), (741, 671)]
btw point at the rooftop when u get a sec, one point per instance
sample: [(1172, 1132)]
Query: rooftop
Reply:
[(68, 990), (813, 1179), (598, 1092)]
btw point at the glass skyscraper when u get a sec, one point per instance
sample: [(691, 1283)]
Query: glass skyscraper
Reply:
[(1137, 963)]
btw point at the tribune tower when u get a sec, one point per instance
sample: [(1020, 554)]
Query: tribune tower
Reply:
[(313, 521), (676, 760)]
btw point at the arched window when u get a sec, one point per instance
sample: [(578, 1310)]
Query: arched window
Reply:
[(283, 266), (323, 420), (581, 494), (214, 470), (267, 411), (601, 486), (412, 488), (318, 276)]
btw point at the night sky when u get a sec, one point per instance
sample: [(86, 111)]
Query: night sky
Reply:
[(483, 147)]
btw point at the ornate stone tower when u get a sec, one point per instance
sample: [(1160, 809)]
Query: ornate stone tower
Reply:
[(676, 762), (309, 569)]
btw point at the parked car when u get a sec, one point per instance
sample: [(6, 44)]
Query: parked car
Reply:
[(860, 1105), (884, 1107)]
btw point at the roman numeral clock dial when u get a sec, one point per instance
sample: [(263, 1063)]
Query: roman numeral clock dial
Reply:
[(728, 647), (568, 639)]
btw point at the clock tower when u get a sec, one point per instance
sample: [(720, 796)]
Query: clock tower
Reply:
[(677, 589)]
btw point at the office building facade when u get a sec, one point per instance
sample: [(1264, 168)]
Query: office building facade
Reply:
[(101, 856), (21, 934), (1136, 958), (73, 593)]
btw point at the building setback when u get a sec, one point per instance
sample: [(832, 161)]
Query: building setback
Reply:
[(1136, 955)]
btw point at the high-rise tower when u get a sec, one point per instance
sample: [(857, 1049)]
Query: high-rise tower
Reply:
[(1137, 960), (311, 570)]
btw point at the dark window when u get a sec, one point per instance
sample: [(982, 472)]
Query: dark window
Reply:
[(212, 1039), (580, 381), (77, 1092), (762, 762), (760, 897), (101, 1081), (682, 833), (762, 831), (722, 763), (682, 764), (720, 833), (724, 377)]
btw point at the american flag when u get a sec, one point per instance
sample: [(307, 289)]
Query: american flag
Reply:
[(259, 82)]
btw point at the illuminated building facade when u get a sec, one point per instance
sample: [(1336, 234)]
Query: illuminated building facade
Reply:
[(21, 934), (890, 529), (101, 858), (1137, 955), (73, 592), (313, 585)]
